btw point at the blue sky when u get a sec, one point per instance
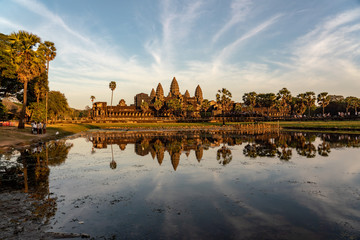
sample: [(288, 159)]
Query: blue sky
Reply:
[(241, 45)]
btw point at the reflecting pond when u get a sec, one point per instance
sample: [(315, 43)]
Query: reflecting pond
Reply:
[(159, 185)]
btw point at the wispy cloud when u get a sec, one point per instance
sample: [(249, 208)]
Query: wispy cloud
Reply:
[(227, 51), (239, 10), (41, 10), (177, 21)]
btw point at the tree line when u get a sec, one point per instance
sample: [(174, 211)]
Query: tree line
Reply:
[(24, 72)]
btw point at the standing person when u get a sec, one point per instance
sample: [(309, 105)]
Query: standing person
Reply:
[(44, 128), (32, 127), (35, 128), (39, 127)]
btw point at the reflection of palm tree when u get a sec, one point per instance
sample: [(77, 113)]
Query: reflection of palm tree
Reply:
[(250, 151), (305, 147), (224, 155), (324, 149), (284, 154), (112, 163)]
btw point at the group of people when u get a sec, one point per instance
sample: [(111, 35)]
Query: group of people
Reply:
[(38, 127)]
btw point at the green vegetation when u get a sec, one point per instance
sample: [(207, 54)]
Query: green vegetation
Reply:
[(329, 126)]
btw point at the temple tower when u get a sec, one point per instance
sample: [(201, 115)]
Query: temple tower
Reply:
[(174, 88), (198, 94), (152, 94), (187, 94), (159, 91)]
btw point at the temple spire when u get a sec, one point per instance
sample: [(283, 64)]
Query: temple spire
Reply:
[(174, 88)]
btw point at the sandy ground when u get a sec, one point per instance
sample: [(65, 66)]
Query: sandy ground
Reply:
[(12, 137)]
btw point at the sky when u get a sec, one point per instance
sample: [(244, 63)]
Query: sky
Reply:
[(241, 45)]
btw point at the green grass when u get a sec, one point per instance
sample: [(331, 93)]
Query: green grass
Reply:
[(322, 124), (330, 126)]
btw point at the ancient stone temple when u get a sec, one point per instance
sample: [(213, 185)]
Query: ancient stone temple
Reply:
[(101, 110), (174, 93)]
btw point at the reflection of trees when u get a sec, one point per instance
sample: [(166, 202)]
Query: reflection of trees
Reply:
[(324, 148), (58, 151), (285, 152), (265, 145), (32, 175), (250, 150), (305, 147), (112, 163), (224, 155)]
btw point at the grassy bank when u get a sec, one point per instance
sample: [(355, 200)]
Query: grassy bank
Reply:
[(335, 126), (328, 126)]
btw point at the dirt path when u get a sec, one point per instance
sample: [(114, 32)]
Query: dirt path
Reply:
[(12, 137)]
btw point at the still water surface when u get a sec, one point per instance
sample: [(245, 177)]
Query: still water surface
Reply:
[(116, 185)]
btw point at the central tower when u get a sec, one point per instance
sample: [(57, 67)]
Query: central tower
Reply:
[(174, 88)]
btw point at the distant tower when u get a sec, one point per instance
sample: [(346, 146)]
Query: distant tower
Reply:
[(198, 94), (159, 91), (187, 94), (152, 94), (174, 88)]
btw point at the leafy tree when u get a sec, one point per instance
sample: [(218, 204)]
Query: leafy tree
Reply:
[(267, 100), (189, 110), (144, 106), (174, 105), (29, 62), (356, 104), (250, 100), (300, 104), (223, 98), (58, 105), (310, 100), (3, 111), (8, 79), (158, 105), (284, 99), (37, 111), (323, 100), (238, 108), (112, 86), (38, 88), (205, 105), (350, 102)]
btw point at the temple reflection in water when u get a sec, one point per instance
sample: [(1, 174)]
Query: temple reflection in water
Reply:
[(282, 146)]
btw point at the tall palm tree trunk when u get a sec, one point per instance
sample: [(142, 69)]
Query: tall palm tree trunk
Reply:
[(23, 109), (112, 92)]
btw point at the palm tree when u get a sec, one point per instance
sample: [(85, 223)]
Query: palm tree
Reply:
[(284, 99), (223, 98), (49, 50), (323, 99), (92, 99), (310, 100), (250, 100), (300, 104), (29, 63), (112, 86)]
